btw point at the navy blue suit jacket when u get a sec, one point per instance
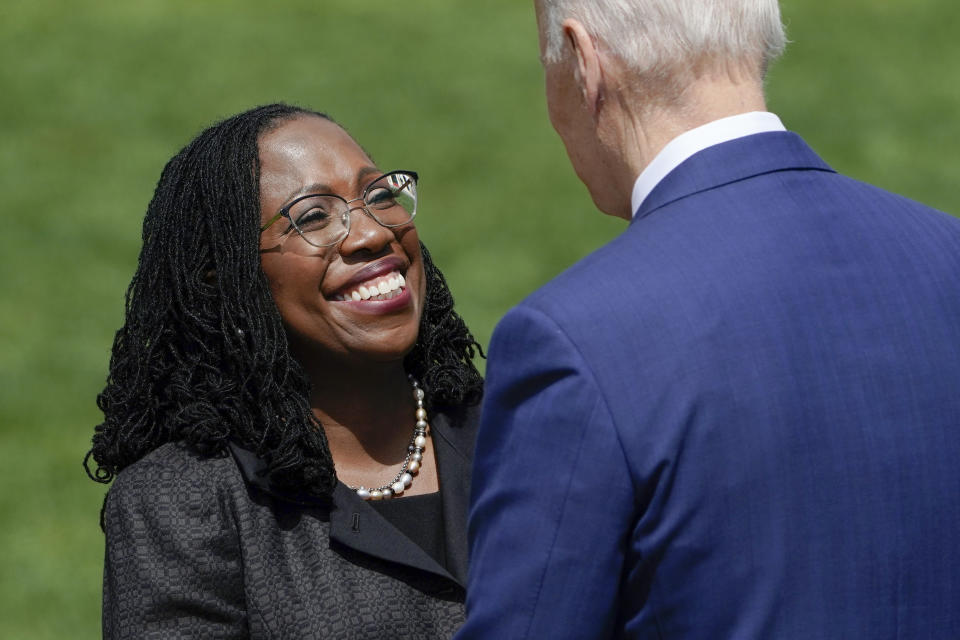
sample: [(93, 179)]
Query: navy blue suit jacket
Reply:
[(740, 419)]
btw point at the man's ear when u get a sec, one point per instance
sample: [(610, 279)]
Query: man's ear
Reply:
[(587, 64)]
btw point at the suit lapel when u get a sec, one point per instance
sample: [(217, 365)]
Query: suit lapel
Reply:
[(732, 161)]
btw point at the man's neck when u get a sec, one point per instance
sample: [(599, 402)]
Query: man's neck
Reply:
[(708, 98)]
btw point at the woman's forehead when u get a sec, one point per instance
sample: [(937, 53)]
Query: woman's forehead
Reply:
[(308, 150)]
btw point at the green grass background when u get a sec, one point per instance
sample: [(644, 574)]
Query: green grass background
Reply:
[(97, 95)]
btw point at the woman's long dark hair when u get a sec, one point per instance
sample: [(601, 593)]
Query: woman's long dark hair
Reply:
[(202, 357)]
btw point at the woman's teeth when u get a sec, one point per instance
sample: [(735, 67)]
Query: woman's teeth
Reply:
[(382, 288)]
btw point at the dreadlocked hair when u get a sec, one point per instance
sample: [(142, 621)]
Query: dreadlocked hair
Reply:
[(202, 357)]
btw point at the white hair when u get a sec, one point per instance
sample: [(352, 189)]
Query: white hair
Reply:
[(662, 36)]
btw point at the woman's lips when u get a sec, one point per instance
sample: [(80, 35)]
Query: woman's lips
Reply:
[(377, 289), (371, 273), (389, 302)]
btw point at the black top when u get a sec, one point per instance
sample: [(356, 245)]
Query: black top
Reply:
[(420, 518), (205, 547)]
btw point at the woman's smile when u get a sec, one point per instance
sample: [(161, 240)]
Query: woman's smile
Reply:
[(375, 289), (375, 284)]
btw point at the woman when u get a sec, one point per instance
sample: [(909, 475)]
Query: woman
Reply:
[(290, 409)]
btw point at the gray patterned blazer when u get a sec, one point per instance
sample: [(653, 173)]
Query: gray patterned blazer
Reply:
[(206, 548)]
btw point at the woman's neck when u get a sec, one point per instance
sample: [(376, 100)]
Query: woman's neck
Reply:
[(367, 415)]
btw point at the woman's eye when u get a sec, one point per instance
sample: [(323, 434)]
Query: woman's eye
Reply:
[(312, 219), (381, 197)]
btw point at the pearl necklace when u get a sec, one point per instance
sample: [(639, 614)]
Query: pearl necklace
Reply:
[(412, 463)]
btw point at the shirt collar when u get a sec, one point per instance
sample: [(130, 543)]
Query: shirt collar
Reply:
[(698, 139)]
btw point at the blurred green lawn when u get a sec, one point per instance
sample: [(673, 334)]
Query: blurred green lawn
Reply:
[(98, 95)]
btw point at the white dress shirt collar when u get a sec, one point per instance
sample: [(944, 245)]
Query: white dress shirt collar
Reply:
[(690, 142)]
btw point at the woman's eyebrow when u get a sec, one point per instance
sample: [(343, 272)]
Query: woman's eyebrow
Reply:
[(364, 172), (319, 187), (316, 187)]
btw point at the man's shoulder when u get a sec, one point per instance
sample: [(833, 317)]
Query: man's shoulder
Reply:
[(608, 282)]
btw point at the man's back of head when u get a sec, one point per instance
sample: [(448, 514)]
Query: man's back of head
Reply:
[(624, 77)]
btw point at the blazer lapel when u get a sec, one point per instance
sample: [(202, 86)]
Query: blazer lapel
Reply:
[(732, 161), (357, 525), (454, 448)]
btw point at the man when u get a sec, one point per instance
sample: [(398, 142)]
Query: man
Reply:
[(741, 418)]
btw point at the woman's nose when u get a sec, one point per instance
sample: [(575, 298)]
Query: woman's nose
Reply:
[(365, 233)]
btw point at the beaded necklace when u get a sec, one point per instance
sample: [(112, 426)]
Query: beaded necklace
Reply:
[(411, 463)]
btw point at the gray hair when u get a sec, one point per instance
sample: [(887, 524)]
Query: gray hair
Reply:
[(661, 36)]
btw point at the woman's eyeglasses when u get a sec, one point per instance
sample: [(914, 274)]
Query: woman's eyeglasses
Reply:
[(323, 219)]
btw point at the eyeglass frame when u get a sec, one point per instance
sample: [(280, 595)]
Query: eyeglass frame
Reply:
[(284, 212)]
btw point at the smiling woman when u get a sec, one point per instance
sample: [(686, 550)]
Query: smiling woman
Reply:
[(290, 410), (298, 159)]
